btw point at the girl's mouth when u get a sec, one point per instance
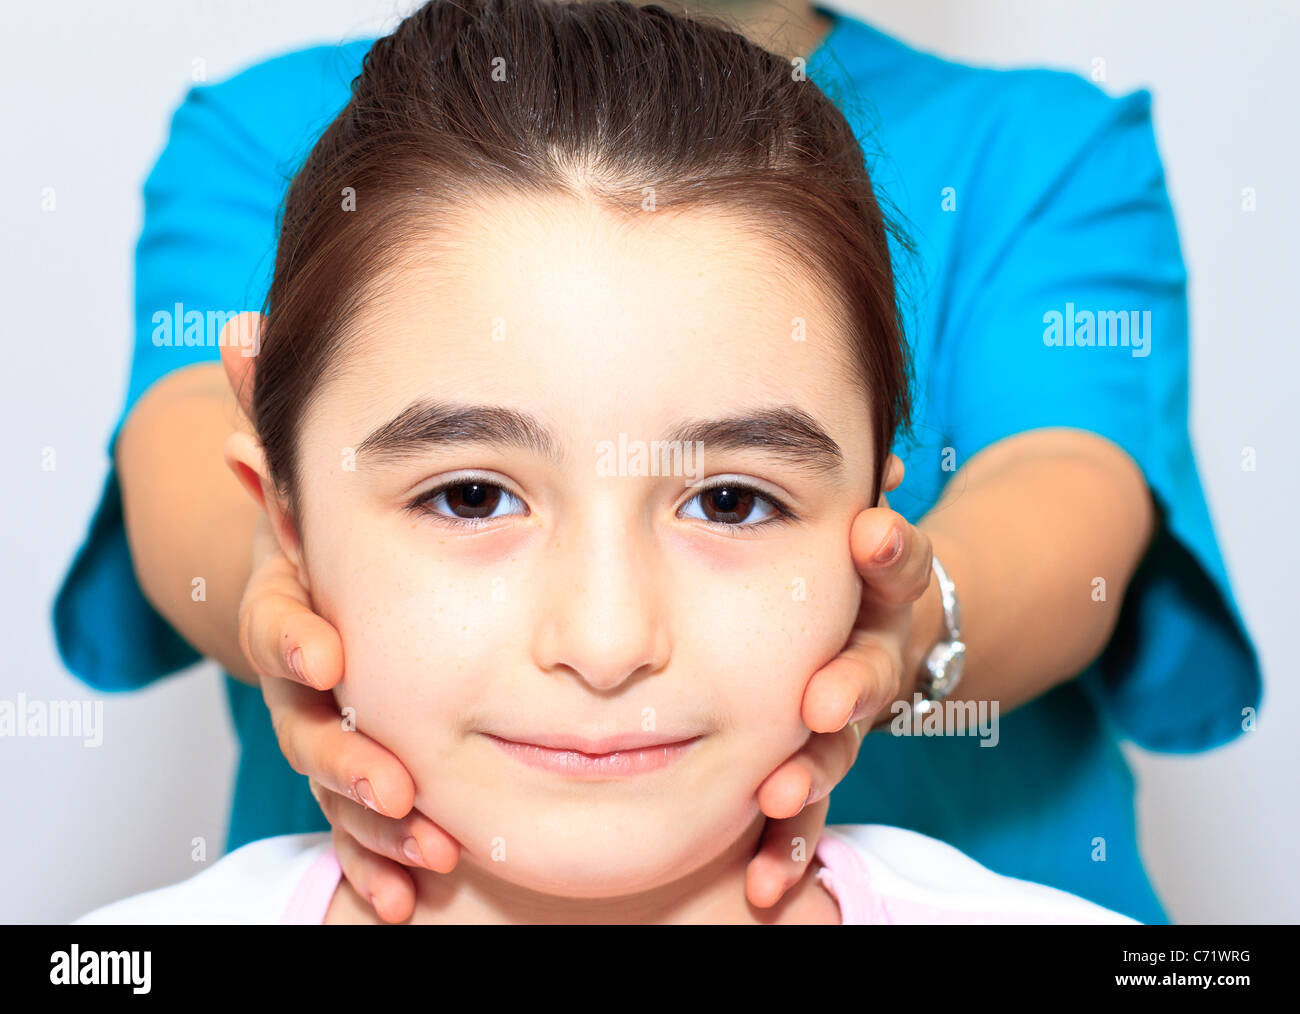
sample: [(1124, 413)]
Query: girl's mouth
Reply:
[(616, 757)]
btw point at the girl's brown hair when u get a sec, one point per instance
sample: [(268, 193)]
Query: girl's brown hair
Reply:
[(600, 99)]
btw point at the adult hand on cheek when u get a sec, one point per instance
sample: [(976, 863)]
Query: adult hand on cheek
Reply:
[(847, 696), (365, 792)]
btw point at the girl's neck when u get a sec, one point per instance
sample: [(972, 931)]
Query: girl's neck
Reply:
[(471, 895)]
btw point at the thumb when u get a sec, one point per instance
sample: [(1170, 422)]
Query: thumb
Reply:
[(897, 579)]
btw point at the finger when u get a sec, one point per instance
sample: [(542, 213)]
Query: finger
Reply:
[(386, 885), (784, 792), (829, 757), (893, 475), (784, 855), (856, 684), (413, 840), (892, 555), (812, 773), (280, 634), (240, 342), (315, 742)]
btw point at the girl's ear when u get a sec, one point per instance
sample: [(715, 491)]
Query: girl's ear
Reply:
[(240, 342), (244, 455)]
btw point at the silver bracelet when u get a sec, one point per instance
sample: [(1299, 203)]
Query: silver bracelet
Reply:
[(944, 664)]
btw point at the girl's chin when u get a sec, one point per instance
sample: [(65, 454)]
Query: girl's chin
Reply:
[(591, 876), (601, 852)]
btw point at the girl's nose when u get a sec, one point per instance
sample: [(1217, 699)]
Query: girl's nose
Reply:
[(603, 618)]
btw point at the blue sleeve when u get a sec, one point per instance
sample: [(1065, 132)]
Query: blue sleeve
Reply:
[(207, 247), (1087, 227)]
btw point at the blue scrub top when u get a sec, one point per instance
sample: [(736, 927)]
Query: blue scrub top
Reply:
[(1024, 192)]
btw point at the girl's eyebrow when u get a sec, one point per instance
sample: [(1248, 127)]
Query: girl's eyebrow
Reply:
[(784, 432), (424, 424)]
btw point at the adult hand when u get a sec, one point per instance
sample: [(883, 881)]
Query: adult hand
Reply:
[(365, 792), (845, 698)]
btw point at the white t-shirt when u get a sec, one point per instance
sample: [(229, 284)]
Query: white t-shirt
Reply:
[(878, 875)]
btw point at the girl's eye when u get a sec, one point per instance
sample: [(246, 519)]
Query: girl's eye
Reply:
[(728, 504), (735, 505), (469, 501)]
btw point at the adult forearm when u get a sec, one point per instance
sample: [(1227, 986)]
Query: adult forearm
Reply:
[(188, 523), (1041, 534)]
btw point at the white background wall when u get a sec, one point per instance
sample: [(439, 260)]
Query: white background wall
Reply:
[(88, 89)]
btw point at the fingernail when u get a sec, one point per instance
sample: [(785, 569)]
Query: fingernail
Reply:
[(887, 551), (295, 665), (366, 796), (411, 849)]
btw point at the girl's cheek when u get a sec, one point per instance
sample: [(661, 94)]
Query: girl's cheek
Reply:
[(418, 640), (765, 625)]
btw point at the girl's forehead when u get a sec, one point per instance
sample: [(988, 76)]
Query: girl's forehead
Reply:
[(567, 260), (583, 381), (595, 322), (555, 294)]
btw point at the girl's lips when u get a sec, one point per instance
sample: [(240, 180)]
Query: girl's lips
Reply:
[(619, 763)]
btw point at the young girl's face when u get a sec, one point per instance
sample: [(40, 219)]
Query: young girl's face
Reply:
[(564, 591)]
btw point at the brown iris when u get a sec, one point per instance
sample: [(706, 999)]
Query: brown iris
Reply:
[(473, 499), (727, 504)]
